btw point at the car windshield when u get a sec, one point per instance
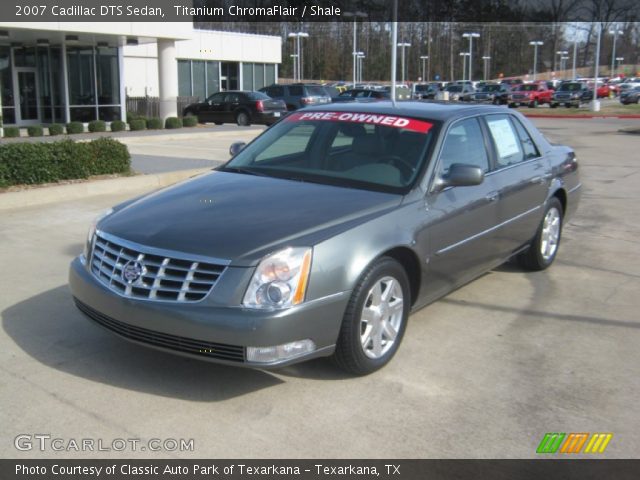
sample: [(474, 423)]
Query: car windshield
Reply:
[(371, 151), (570, 87), (423, 88), (528, 88), (490, 88), (454, 88)]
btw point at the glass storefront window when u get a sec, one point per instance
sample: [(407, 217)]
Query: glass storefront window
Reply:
[(269, 74), (81, 76), (108, 75), (213, 77), (258, 76), (6, 86), (24, 57), (199, 81), (247, 76), (184, 78), (109, 114)]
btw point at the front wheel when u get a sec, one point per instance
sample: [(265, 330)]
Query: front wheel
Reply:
[(533, 104), (544, 246), (375, 319)]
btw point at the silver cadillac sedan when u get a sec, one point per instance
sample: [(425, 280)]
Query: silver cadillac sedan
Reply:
[(321, 236)]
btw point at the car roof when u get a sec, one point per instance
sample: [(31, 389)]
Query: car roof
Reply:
[(434, 110)]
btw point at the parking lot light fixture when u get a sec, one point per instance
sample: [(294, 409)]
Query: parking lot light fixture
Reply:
[(464, 56), (486, 59), (470, 36), (298, 36), (619, 60), (423, 58), (403, 45), (355, 16), (615, 32), (561, 53), (535, 44)]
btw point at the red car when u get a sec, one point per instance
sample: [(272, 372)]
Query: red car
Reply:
[(530, 94), (604, 90)]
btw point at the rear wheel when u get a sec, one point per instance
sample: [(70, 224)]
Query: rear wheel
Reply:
[(544, 246), (375, 319), (533, 104), (554, 105), (242, 119)]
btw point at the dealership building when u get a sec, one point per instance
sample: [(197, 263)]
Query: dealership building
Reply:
[(57, 72)]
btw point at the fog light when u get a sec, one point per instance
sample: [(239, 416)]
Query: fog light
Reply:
[(280, 352)]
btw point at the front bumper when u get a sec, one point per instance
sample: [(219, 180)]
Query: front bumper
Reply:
[(205, 330)]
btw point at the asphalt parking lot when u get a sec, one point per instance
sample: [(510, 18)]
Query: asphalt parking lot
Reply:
[(483, 373)]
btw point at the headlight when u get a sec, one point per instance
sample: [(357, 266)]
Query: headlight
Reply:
[(280, 280), (88, 244)]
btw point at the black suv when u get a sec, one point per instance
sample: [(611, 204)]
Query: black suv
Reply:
[(298, 95), (496, 93), (571, 94), (241, 107)]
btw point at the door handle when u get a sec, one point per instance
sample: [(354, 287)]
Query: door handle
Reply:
[(492, 196)]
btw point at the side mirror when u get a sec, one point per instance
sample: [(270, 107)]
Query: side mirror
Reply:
[(235, 148), (460, 175)]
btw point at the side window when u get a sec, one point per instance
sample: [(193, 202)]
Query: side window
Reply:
[(529, 148), (276, 92), (232, 98), (505, 138), (217, 98), (464, 144)]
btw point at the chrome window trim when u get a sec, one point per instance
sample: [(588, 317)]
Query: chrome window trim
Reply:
[(488, 230)]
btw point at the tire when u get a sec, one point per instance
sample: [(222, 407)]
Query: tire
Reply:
[(361, 356), (543, 248), (243, 119), (553, 105), (533, 104), (218, 123)]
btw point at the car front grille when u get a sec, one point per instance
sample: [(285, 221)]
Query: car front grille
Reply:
[(219, 351), (520, 97), (138, 274)]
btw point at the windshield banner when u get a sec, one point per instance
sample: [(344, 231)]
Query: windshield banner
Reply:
[(370, 118)]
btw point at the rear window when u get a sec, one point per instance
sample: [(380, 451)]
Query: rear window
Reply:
[(258, 96), (315, 91)]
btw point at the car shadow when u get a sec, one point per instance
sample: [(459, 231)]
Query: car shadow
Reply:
[(50, 329)]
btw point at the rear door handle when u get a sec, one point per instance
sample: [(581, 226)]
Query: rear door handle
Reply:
[(492, 196)]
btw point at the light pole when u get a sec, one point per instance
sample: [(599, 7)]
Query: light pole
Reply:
[(360, 68), (595, 103), (563, 64), (615, 32), (403, 45), (486, 59), (354, 52), (619, 60), (575, 51), (298, 36), (464, 56), (359, 57), (562, 53), (471, 36), (536, 44), (294, 59), (423, 58)]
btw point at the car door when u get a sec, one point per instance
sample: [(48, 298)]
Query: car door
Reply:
[(460, 219), (230, 105), (521, 175), (212, 109)]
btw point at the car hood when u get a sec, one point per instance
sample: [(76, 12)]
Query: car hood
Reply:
[(241, 217)]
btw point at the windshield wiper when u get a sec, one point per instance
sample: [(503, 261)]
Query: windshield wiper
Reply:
[(244, 170)]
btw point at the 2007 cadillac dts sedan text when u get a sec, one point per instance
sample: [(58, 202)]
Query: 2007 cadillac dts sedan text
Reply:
[(322, 235)]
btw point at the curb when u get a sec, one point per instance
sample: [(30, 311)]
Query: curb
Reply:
[(182, 136), (57, 193)]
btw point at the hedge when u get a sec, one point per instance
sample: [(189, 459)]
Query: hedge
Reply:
[(75, 127), (35, 131), (173, 122), (11, 132), (118, 126), (137, 124), (97, 126), (32, 163), (190, 121), (56, 129), (154, 123)]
